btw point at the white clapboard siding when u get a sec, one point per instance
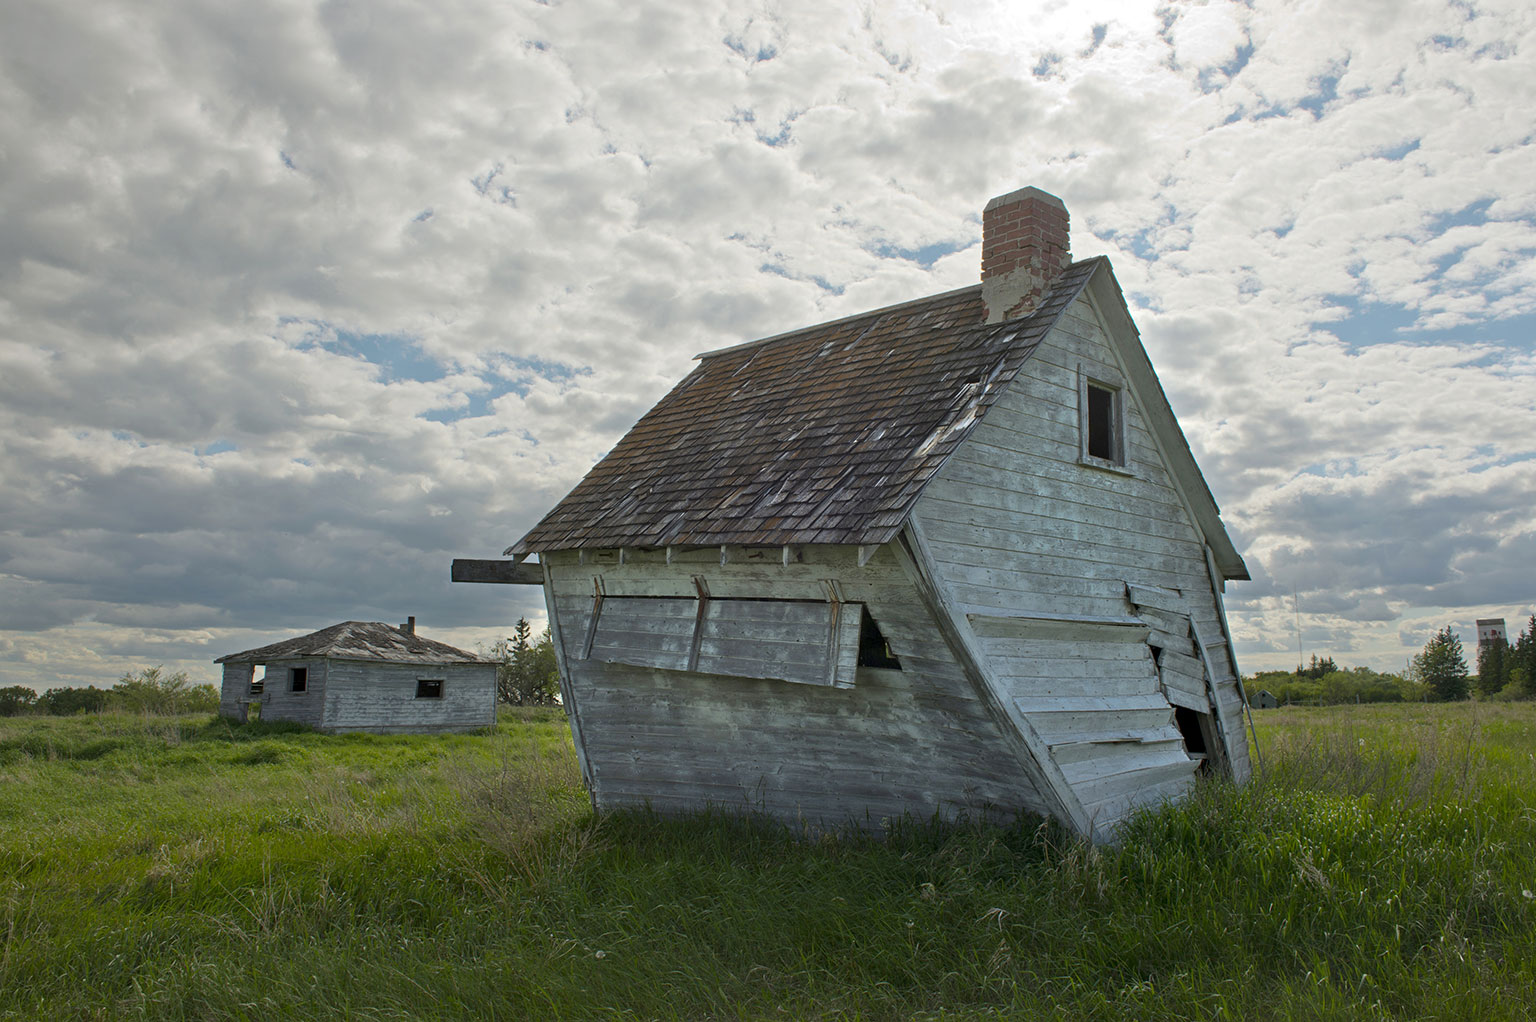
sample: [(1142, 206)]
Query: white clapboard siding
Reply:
[(1184, 680), (307, 707), (1017, 527), (918, 739), (642, 631), (380, 697)]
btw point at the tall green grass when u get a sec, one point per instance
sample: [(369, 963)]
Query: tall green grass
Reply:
[(187, 868)]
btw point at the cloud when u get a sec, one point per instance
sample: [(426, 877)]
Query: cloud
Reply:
[(297, 303)]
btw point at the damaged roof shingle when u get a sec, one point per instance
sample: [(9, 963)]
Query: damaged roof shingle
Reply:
[(359, 640), (824, 435)]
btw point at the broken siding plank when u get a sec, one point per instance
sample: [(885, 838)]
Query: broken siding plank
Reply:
[(1114, 810), (1089, 747), (996, 508), (1025, 536), (1045, 646), (1126, 767), (1005, 587)]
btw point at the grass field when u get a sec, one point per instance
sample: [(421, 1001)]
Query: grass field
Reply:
[(1382, 867)]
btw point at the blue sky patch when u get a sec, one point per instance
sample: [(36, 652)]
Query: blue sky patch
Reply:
[(396, 357), (1473, 214), (1371, 323), (513, 376), (1397, 152), (924, 255), (756, 55), (1327, 90)]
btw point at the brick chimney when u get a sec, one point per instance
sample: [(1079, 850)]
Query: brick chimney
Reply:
[(409, 626), (1023, 250)]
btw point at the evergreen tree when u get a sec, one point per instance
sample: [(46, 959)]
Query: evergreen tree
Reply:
[(1492, 666), (526, 674), (1521, 661), (1442, 667)]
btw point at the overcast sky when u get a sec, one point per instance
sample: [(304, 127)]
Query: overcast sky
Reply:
[(298, 302)]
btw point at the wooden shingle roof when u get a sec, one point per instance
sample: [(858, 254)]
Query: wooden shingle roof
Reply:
[(358, 640), (823, 435)]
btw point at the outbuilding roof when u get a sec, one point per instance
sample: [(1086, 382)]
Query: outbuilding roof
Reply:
[(823, 435), (359, 640)]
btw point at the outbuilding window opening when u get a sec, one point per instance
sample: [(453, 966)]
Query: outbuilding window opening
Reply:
[(298, 679), (874, 651), (429, 688)]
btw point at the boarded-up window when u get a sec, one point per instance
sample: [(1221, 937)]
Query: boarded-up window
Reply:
[(811, 642)]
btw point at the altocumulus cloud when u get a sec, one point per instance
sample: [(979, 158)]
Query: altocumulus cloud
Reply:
[(298, 301)]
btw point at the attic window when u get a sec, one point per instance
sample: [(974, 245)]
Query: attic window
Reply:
[(298, 679), (874, 651), (429, 688), (1101, 420)]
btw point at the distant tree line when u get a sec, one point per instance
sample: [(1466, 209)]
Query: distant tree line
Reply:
[(526, 670), (1324, 683), (1438, 673), (151, 690)]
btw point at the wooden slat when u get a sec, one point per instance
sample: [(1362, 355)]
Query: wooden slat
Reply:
[(1045, 624), (517, 573)]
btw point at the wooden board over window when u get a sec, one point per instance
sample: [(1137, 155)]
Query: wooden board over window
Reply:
[(809, 642)]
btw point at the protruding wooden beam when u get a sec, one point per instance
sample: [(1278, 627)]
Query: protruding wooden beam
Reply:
[(515, 573), (866, 551)]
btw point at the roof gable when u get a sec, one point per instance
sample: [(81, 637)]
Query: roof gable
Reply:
[(358, 640), (824, 435), (1103, 291)]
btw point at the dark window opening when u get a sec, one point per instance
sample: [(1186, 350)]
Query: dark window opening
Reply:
[(258, 685), (429, 688), (1193, 727), (874, 651), (1101, 423), (298, 679)]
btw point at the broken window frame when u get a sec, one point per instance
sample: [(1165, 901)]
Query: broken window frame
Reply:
[(810, 642), (1106, 397), (430, 688)]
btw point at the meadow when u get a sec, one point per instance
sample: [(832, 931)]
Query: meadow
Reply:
[(1382, 866)]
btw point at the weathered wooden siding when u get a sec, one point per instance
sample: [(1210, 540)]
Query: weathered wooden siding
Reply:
[(917, 740), (1017, 527), (277, 703), (235, 690), (380, 697)]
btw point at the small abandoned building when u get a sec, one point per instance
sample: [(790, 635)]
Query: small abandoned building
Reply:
[(952, 556), (1265, 700), (363, 676)]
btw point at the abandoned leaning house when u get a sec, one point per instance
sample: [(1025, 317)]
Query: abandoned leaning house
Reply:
[(363, 676), (950, 556)]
